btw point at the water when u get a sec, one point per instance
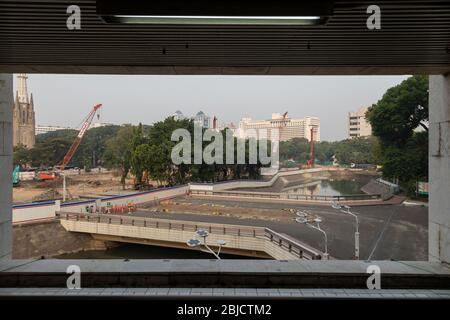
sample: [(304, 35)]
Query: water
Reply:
[(137, 251), (329, 188)]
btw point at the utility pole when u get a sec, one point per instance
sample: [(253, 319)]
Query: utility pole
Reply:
[(64, 187)]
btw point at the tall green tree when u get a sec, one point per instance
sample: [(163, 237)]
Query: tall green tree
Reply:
[(119, 151), (400, 120), (400, 111)]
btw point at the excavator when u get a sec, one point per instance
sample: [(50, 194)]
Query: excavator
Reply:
[(44, 176), (15, 176)]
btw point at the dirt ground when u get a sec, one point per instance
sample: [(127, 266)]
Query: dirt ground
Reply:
[(230, 209), (82, 184), (387, 232)]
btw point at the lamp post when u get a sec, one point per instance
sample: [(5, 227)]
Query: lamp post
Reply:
[(346, 209), (313, 222), (203, 234), (64, 187)]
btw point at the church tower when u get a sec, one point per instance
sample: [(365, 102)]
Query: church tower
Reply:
[(23, 114)]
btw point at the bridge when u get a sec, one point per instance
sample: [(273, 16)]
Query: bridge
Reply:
[(240, 240)]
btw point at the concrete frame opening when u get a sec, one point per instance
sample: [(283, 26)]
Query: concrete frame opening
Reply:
[(439, 217)]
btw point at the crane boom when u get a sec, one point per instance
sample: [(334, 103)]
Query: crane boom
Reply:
[(76, 142)]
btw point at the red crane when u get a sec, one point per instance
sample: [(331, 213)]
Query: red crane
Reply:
[(76, 142), (310, 162)]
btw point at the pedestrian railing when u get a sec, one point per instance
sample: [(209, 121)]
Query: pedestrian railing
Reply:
[(294, 247), (288, 196)]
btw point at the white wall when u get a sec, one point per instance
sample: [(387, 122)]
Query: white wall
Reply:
[(221, 186), (6, 165), (45, 211), (26, 175), (34, 212), (439, 170)]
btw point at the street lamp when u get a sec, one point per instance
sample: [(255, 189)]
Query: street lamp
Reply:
[(346, 209), (203, 234), (312, 221)]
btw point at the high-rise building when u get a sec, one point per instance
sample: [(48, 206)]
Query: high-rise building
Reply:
[(23, 114), (357, 124), (202, 120), (178, 115), (287, 128)]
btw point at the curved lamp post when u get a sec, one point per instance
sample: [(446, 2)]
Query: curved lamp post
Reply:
[(347, 210), (313, 222), (203, 234)]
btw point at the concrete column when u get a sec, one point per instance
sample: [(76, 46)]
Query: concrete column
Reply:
[(6, 165), (439, 169)]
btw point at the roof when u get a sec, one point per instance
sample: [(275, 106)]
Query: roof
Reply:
[(414, 38)]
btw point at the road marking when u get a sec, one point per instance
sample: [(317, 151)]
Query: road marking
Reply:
[(388, 221)]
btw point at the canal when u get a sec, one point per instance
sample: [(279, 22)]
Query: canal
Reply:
[(328, 187)]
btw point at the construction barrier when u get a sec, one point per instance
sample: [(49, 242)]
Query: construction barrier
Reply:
[(35, 212)]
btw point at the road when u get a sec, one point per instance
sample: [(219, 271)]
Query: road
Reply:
[(396, 232)]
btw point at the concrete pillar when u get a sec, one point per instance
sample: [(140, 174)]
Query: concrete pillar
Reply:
[(6, 165), (439, 169)]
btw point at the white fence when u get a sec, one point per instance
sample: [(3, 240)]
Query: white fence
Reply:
[(228, 185), (46, 210), (26, 175), (393, 188)]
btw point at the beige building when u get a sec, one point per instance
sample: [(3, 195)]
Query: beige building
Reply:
[(357, 124), (287, 128), (39, 129), (23, 115)]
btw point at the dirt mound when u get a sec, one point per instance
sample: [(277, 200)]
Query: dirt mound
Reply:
[(47, 196)]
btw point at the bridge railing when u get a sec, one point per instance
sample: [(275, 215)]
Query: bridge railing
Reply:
[(292, 246), (288, 196)]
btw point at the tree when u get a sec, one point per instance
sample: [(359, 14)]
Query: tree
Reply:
[(137, 164), (360, 150), (400, 111), (395, 119), (92, 147), (357, 150), (22, 155), (119, 151)]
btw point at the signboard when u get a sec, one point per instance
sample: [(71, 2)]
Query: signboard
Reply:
[(422, 188)]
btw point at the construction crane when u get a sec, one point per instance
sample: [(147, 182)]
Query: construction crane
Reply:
[(73, 148), (285, 118), (76, 142), (310, 163)]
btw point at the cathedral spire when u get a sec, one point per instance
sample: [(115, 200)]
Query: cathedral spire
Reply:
[(22, 87)]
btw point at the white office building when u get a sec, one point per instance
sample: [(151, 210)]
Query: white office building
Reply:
[(44, 129), (178, 115), (202, 120), (357, 124), (287, 128)]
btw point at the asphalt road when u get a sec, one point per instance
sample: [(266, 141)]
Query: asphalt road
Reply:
[(387, 232)]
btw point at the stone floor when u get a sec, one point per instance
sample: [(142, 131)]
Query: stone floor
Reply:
[(228, 293)]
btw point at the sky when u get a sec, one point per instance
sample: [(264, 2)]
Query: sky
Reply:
[(65, 100)]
